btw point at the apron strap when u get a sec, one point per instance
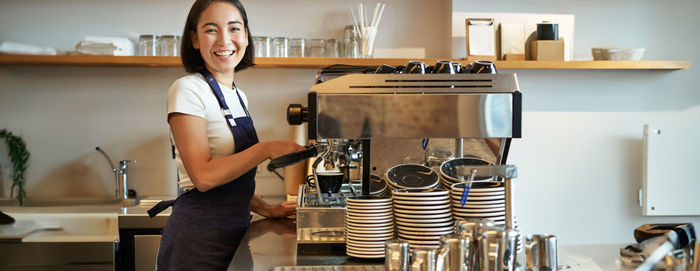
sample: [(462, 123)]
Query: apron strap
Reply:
[(209, 78), (160, 207)]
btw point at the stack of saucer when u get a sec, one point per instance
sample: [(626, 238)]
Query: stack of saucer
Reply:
[(368, 224), (485, 200), (422, 216), (411, 176)]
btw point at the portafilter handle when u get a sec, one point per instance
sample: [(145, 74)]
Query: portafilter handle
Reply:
[(293, 158)]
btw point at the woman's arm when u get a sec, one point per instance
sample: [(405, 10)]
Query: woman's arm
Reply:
[(207, 172)]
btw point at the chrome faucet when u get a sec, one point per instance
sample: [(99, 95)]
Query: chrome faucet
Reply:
[(124, 192), (120, 177)]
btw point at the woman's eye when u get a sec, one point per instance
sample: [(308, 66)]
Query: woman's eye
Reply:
[(210, 30), (234, 29)]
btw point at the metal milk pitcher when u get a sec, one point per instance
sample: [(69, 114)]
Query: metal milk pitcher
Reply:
[(426, 259), (468, 228), (397, 255), (458, 251), (541, 252), (507, 250)]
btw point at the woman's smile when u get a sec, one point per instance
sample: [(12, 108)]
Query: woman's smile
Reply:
[(221, 38)]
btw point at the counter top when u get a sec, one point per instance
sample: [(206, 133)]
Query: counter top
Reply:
[(272, 243), (77, 223)]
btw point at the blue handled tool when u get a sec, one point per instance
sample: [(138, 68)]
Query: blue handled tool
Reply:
[(468, 186), (424, 143)]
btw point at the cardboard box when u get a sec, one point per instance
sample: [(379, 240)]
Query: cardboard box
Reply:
[(547, 50)]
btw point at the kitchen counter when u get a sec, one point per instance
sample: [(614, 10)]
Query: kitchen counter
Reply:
[(77, 223), (95, 223), (272, 243)]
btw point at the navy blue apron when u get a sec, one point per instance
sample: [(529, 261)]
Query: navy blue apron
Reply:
[(205, 228)]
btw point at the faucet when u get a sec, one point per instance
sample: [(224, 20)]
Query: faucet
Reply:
[(120, 177)]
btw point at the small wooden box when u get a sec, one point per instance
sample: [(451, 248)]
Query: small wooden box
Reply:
[(547, 50)]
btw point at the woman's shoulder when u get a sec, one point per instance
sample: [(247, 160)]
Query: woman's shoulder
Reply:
[(193, 79), (191, 83)]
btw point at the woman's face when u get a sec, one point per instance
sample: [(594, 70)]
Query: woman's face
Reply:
[(221, 37)]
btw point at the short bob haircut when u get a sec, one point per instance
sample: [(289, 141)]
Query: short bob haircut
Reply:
[(191, 57)]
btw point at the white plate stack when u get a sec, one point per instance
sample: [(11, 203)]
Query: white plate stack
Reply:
[(485, 200), (368, 224), (422, 216)]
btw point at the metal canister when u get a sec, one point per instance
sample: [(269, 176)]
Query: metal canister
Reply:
[(423, 259), (488, 248), (397, 256), (507, 249), (468, 228), (459, 251), (541, 252)]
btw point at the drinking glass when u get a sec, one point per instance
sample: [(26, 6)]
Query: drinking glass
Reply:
[(332, 48), (148, 45), (169, 45), (297, 48), (280, 47), (318, 48), (352, 50), (262, 46)]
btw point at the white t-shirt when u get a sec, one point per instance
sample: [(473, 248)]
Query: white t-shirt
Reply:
[(192, 95)]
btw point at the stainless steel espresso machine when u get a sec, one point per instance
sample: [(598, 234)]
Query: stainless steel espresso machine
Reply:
[(356, 117)]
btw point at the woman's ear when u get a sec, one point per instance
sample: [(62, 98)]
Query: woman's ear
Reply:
[(195, 41)]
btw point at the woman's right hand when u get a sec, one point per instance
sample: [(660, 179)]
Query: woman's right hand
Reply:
[(280, 147)]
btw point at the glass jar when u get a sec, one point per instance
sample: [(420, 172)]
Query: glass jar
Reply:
[(262, 46), (317, 48), (280, 47), (169, 45), (352, 49), (148, 45), (332, 48), (297, 48)]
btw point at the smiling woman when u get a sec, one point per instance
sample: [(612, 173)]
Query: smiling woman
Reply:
[(217, 149), (234, 20)]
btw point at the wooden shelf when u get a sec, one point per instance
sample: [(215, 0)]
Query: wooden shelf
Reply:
[(272, 62)]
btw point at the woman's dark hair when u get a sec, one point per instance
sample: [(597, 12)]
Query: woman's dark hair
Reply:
[(191, 57)]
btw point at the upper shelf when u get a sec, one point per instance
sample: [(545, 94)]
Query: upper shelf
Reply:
[(310, 62)]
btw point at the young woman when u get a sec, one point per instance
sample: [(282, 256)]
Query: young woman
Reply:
[(216, 144)]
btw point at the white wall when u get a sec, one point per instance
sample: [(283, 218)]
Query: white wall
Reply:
[(579, 158)]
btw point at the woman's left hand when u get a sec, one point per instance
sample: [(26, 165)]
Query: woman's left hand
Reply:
[(283, 209)]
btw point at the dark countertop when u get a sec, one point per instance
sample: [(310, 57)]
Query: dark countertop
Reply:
[(272, 242)]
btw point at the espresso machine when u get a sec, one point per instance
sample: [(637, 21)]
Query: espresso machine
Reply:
[(357, 118)]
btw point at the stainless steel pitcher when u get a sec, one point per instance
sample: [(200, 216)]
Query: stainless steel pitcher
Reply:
[(541, 252)]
